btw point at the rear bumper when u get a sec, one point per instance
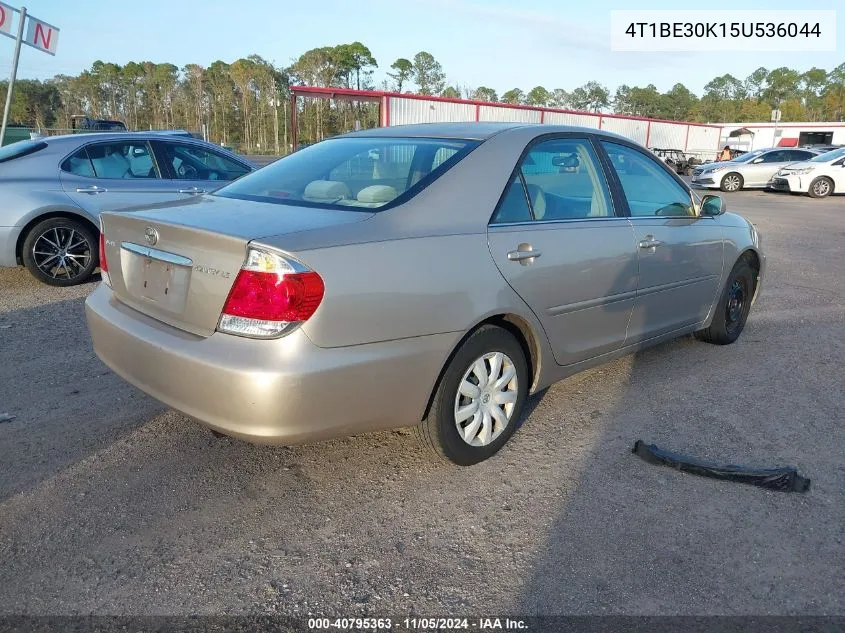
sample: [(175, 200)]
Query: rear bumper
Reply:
[(8, 242), (282, 391)]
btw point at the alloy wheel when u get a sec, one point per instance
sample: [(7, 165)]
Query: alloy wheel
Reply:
[(731, 182), (62, 253), (821, 188)]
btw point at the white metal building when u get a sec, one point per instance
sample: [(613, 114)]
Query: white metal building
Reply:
[(401, 109), (749, 136)]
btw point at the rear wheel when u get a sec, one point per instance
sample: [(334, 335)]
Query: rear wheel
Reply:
[(61, 252), (479, 400), (821, 187), (733, 307), (731, 182)]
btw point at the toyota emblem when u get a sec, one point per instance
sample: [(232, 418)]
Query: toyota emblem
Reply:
[(151, 235)]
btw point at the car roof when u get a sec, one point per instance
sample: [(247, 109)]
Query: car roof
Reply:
[(115, 136), (464, 130), (476, 131)]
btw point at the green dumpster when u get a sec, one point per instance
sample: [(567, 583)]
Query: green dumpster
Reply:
[(15, 134)]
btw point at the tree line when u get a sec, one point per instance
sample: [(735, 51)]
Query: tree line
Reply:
[(245, 103)]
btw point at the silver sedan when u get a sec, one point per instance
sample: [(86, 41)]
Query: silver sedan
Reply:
[(753, 170), (430, 276), (53, 190)]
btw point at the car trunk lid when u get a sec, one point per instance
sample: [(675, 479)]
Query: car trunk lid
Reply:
[(176, 263)]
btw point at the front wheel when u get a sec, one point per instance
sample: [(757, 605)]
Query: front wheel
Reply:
[(733, 307), (731, 182), (479, 400), (821, 187), (61, 252)]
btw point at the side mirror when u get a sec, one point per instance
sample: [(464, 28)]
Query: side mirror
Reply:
[(713, 205), (756, 160)]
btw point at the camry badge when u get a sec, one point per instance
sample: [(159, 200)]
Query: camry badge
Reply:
[(151, 235)]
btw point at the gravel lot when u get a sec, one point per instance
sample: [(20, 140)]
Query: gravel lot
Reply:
[(110, 503)]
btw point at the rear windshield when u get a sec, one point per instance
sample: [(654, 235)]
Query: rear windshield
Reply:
[(21, 148), (363, 173)]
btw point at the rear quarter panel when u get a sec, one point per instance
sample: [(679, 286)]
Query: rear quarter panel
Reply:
[(21, 206), (30, 189), (406, 288)]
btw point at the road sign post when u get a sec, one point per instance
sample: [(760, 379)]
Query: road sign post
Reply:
[(15, 58), (39, 35)]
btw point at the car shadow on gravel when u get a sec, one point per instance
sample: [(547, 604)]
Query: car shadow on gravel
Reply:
[(67, 404)]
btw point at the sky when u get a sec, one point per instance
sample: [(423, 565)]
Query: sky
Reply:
[(501, 44)]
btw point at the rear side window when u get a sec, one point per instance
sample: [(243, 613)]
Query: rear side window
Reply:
[(117, 160), (352, 172), (79, 164), (514, 205), (19, 149), (563, 180)]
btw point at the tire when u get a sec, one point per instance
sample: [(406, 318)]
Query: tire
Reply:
[(729, 318), (821, 187), (61, 252), (487, 432), (732, 182)]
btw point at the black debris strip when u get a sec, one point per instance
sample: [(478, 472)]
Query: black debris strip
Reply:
[(785, 479)]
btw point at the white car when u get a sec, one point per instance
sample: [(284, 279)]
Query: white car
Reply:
[(819, 176), (752, 170)]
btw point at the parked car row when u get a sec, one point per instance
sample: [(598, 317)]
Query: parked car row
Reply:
[(811, 171), (54, 188)]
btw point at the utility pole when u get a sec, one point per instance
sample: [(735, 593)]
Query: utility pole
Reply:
[(16, 57), (276, 114)]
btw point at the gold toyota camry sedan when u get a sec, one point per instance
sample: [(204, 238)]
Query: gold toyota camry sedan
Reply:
[(430, 276)]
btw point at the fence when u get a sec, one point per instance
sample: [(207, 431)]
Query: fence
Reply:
[(696, 139)]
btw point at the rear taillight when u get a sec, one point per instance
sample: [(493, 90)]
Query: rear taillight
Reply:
[(271, 296), (104, 265)]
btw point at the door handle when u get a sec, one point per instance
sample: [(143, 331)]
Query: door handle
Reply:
[(91, 189), (192, 190), (649, 243), (524, 254)]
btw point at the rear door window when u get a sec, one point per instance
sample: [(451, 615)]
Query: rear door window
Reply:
[(563, 180), (79, 164), (116, 160)]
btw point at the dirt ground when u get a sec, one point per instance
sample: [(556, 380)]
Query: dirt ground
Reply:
[(111, 504)]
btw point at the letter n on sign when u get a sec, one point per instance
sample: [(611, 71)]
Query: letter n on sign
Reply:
[(42, 36)]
